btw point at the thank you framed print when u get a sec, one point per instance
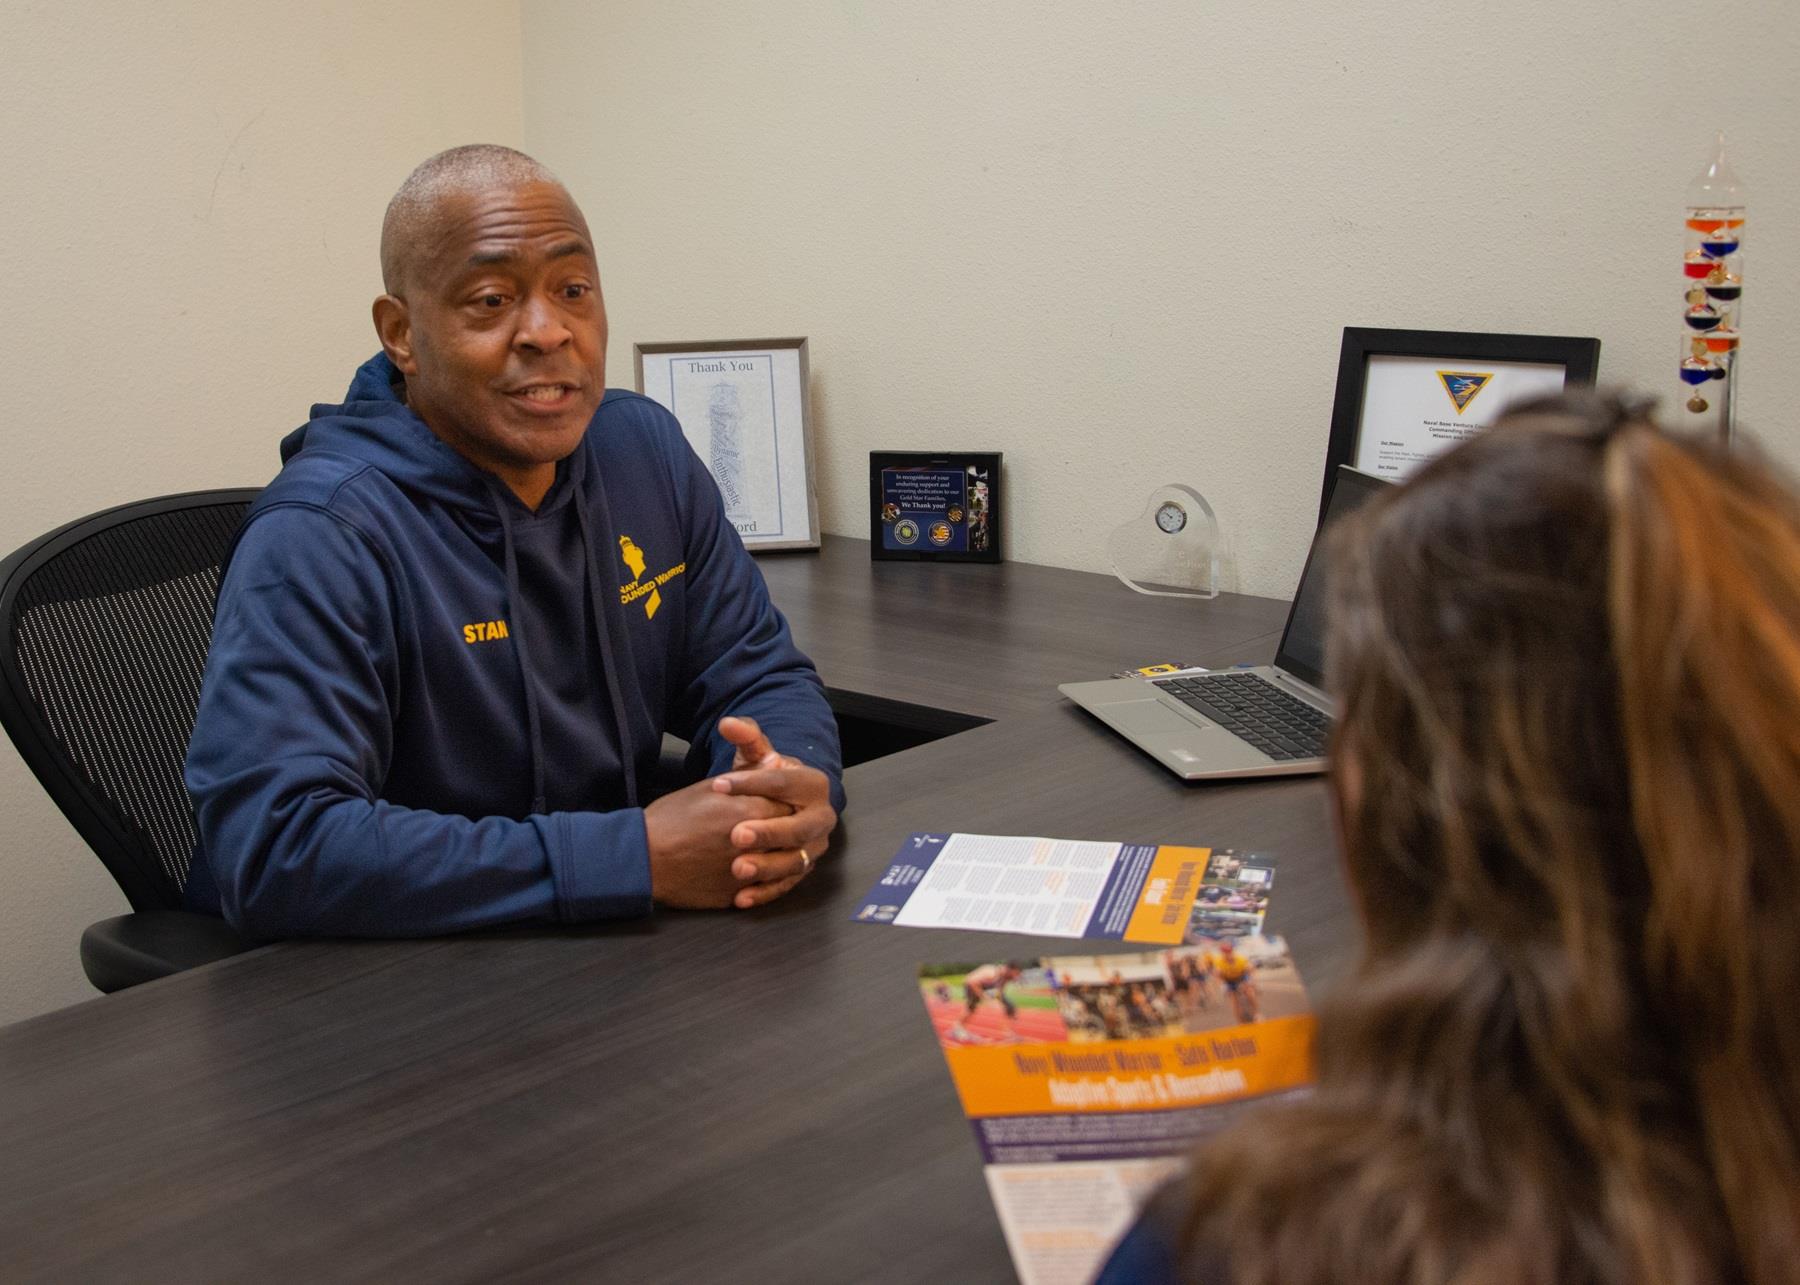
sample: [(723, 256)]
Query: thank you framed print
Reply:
[(743, 407)]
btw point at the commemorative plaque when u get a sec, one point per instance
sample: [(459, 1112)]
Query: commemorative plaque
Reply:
[(929, 506)]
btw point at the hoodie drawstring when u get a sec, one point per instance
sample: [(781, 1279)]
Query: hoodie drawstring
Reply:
[(514, 605), (610, 660)]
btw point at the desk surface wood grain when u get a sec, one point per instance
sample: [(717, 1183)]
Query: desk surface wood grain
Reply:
[(732, 1096)]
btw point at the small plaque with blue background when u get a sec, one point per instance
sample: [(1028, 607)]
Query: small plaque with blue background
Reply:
[(934, 507)]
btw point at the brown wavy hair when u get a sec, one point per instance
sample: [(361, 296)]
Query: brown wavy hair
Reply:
[(1567, 768)]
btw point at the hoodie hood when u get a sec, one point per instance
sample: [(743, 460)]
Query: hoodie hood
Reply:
[(375, 426)]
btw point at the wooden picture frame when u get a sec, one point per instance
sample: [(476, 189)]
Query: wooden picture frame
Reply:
[(744, 405)]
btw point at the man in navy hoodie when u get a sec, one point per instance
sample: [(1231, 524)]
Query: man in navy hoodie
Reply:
[(453, 630)]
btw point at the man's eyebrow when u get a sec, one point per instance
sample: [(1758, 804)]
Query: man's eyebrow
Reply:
[(488, 258)]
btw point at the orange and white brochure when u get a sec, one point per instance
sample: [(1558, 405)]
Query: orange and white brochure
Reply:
[(1089, 1079)]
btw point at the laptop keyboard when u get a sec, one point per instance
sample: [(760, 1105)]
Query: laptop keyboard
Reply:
[(1256, 710)]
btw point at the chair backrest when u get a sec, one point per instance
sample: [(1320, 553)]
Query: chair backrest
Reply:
[(104, 626)]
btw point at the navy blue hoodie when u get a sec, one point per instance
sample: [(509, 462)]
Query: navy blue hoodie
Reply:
[(428, 708)]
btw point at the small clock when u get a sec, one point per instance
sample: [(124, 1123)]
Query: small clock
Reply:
[(1171, 517)]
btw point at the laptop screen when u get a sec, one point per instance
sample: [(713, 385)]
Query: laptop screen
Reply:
[(1302, 650)]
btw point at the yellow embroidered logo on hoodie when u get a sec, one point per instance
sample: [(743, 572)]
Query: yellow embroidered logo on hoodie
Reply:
[(640, 588)]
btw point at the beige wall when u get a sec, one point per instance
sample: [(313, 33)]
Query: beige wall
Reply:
[(1116, 242), (192, 200), (1120, 242)]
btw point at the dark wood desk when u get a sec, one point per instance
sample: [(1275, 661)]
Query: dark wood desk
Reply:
[(729, 1096)]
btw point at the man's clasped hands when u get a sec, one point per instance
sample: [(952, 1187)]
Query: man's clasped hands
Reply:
[(742, 838)]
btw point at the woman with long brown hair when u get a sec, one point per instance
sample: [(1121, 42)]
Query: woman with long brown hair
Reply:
[(1567, 772)]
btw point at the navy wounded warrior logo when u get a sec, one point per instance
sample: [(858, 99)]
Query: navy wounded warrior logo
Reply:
[(643, 587), (1462, 386)]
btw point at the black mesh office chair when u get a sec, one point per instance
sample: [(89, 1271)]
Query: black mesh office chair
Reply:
[(104, 626)]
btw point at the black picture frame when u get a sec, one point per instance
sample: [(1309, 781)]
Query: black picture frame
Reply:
[(1579, 357), (945, 527)]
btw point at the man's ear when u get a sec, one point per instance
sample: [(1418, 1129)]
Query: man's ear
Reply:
[(393, 326)]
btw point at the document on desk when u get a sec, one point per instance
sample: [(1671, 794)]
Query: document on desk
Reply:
[(1089, 1079), (1163, 895)]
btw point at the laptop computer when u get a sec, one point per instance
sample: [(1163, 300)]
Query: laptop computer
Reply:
[(1266, 720)]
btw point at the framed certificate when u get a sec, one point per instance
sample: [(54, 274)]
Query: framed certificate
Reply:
[(743, 407), (929, 506), (1403, 396)]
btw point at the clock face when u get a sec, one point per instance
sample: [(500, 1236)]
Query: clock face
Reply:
[(1171, 517)]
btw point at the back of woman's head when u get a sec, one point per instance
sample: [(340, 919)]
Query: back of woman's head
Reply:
[(1567, 659)]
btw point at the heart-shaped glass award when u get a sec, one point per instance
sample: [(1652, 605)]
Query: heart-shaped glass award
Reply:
[(1171, 549)]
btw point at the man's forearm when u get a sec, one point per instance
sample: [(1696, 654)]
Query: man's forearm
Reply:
[(316, 865)]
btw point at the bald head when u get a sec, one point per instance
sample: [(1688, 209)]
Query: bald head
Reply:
[(414, 216)]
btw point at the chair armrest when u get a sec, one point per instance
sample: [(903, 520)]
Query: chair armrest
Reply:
[(148, 944)]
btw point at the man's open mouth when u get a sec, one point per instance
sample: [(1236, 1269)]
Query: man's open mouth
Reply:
[(543, 393)]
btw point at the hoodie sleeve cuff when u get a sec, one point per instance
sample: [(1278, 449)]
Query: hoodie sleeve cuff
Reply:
[(600, 863)]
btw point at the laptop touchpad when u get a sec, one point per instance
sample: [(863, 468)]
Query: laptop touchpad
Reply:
[(1147, 716)]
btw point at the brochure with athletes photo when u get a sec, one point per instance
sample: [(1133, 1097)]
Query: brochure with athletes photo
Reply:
[(1088, 1079), (1160, 895)]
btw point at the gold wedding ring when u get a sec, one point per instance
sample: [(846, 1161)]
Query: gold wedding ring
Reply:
[(806, 862)]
